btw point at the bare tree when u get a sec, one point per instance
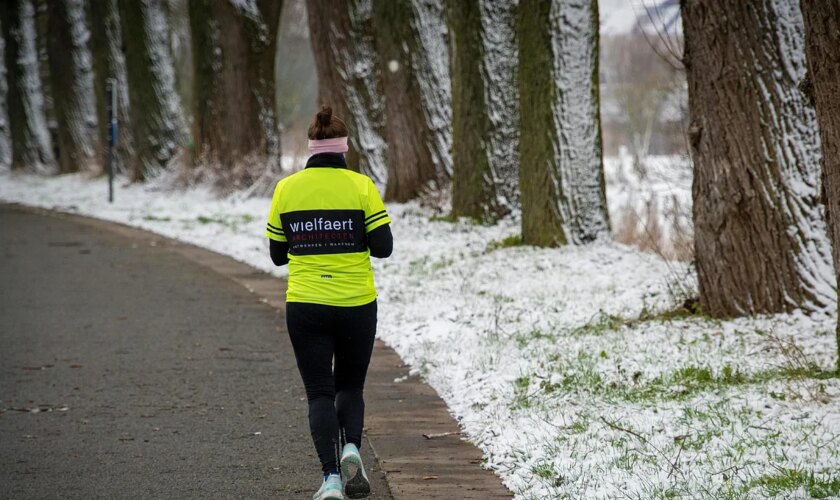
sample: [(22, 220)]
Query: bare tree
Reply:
[(345, 58), (760, 239), (822, 37), (484, 108), (234, 123), (643, 86), (159, 128), (562, 174), (417, 159), (31, 145)]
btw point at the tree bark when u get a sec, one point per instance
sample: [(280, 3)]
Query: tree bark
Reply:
[(31, 145), (178, 20), (416, 157), (760, 240), (822, 47), (484, 109), (561, 173), (5, 139), (109, 63), (341, 34), (159, 128), (234, 121), (71, 81)]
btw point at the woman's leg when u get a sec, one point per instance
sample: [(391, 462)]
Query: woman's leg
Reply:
[(354, 344), (310, 329)]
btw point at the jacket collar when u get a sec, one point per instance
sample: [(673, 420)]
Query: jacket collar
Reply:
[(326, 160)]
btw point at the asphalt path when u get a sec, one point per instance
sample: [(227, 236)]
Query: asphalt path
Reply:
[(129, 371)]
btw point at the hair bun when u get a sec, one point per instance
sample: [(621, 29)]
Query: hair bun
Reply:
[(324, 116)]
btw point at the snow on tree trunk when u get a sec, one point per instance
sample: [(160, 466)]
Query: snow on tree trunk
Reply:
[(418, 149), (178, 21), (341, 34), (5, 140), (31, 145), (159, 128), (822, 37), (71, 82), (484, 108), (234, 124), (760, 239), (562, 175), (41, 45), (109, 63)]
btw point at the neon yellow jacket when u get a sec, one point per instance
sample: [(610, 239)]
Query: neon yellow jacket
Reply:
[(325, 214)]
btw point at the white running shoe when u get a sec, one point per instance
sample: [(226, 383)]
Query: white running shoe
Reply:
[(330, 489), (356, 484)]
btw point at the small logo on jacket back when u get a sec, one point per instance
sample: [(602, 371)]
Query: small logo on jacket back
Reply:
[(326, 276)]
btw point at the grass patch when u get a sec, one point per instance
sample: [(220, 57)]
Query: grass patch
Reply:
[(153, 218), (453, 219), (604, 322), (232, 222), (601, 324), (582, 376), (426, 264), (523, 339), (510, 241), (690, 308), (788, 480), (521, 395), (444, 218)]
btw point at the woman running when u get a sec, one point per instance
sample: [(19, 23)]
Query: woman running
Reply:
[(325, 222)]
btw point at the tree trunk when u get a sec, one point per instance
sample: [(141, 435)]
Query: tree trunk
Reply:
[(234, 121), (342, 43), (760, 240), (31, 145), (484, 108), (71, 81), (159, 128), (561, 173), (418, 154), (822, 37), (42, 45), (5, 139), (109, 63), (178, 20)]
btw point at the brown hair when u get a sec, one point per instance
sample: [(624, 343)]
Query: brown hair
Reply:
[(327, 126)]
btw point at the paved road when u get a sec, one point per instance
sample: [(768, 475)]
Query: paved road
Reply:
[(128, 371)]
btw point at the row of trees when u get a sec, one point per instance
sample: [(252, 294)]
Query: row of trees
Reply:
[(498, 100), (525, 131), (89, 42), (463, 114)]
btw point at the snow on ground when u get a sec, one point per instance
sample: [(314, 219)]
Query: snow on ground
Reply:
[(560, 364)]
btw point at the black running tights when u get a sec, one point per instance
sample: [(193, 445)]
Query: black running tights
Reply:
[(333, 347)]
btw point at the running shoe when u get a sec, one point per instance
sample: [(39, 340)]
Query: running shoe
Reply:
[(356, 484), (330, 489)]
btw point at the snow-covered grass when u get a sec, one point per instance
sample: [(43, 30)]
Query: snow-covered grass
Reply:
[(574, 369)]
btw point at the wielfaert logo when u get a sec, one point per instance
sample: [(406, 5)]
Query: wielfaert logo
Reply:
[(314, 232)]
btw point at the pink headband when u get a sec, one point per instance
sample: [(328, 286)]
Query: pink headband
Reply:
[(334, 145)]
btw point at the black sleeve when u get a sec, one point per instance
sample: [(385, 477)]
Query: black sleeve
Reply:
[(381, 242), (279, 252)]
